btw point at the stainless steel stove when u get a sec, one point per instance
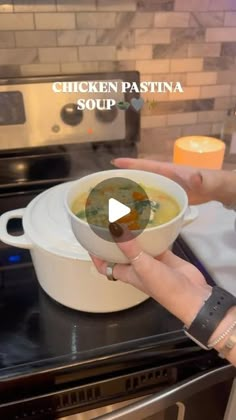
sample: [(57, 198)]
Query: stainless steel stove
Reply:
[(55, 361)]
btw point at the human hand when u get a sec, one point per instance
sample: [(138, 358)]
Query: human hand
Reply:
[(173, 282), (201, 185)]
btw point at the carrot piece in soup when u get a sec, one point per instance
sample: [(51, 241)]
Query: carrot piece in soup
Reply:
[(134, 226), (133, 215), (138, 196)]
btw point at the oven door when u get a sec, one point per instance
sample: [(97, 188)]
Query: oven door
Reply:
[(202, 397)]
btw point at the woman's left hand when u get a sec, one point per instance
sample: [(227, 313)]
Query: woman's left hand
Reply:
[(174, 283)]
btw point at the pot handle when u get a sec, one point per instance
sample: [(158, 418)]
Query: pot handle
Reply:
[(191, 214), (18, 241)]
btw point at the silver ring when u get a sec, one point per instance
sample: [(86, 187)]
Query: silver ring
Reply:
[(137, 258), (109, 271)]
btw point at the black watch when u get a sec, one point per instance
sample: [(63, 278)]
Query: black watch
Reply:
[(210, 315)]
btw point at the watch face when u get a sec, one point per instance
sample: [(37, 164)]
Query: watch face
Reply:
[(195, 340)]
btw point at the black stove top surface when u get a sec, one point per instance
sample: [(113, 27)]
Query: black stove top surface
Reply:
[(38, 334)]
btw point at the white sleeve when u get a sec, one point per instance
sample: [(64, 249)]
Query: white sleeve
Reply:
[(232, 206)]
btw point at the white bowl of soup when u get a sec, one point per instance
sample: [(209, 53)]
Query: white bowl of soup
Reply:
[(169, 213)]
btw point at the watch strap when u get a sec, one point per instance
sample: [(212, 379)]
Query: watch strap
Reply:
[(210, 315)]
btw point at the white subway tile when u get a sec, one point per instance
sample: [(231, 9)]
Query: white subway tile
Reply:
[(222, 5), (58, 55), (152, 121), (230, 19), (81, 67), (226, 76), (119, 5), (234, 90), (204, 50), (149, 97), (18, 55), (39, 69), (34, 6), (221, 34), (55, 20), (9, 70), (197, 130), (14, 21), (124, 38), (191, 5), (140, 52), (76, 6), (211, 116), (76, 37), (142, 20), (35, 38), (96, 20), (97, 53), (215, 91), (165, 77), (189, 93), (172, 19), (216, 128), (152, 36), (159, 138), (186, 65), (201, 78), (7, 39), (153, 66), (223, 103), (206, 19), (123, 65), (182, 118)]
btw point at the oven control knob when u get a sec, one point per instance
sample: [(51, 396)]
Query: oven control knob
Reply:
[(106, 115), (71, 115)]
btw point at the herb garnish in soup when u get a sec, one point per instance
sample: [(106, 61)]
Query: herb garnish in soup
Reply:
[(163, 207)]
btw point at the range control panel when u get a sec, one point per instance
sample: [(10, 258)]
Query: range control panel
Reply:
[(34, 114)]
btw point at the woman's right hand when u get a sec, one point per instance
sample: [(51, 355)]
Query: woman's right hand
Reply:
[(201, 185)]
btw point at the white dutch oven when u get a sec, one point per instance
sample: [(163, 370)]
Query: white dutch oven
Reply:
[(63, 267)]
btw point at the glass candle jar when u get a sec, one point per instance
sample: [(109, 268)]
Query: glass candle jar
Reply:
[(199, 151)]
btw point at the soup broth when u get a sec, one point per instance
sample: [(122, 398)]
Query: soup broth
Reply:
[(163, 207)]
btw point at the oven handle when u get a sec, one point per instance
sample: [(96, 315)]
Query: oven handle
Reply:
[(161, 401), (19, 241)]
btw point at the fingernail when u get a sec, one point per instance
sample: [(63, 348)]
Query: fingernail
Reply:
[(112, 162), (116, 230)]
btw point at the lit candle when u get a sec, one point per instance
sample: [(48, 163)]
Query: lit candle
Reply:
[(199, 151)]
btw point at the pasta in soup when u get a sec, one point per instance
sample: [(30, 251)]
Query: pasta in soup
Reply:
[(160, 208)]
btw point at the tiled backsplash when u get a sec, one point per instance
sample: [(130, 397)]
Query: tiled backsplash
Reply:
[(191, 41)]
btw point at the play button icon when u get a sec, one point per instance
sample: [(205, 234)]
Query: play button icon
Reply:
[(116, 210), (117, 200)]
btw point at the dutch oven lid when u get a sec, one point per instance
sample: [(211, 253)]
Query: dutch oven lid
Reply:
[(47, 224)]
